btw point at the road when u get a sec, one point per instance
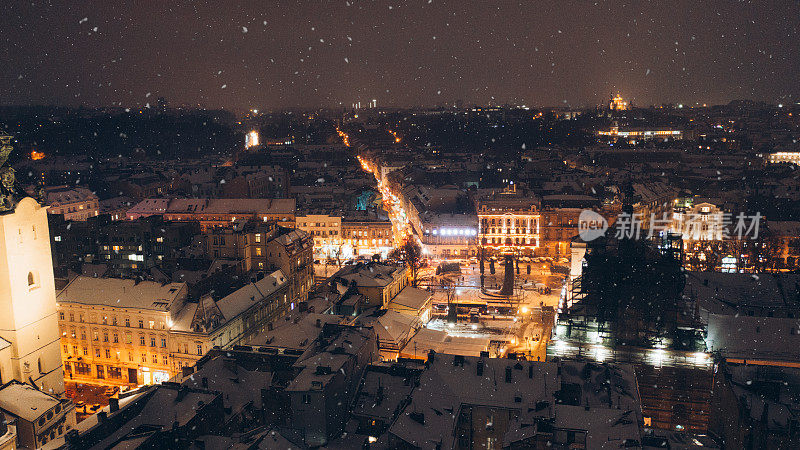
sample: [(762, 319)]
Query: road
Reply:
[(90, 394), (401, 227)]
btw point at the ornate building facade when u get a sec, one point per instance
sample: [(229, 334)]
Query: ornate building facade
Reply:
[(509, 221)]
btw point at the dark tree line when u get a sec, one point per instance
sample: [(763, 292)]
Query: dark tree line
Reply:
[(634, 289)]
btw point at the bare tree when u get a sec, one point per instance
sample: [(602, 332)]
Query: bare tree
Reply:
[(337, 254), (448, 286), (410, 254)]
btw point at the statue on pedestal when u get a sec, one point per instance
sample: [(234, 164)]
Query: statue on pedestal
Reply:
[(8, 196)]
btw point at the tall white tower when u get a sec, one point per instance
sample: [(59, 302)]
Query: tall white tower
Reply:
[(28, 299)]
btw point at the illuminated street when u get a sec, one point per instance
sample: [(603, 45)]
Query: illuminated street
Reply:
[(401, 226)]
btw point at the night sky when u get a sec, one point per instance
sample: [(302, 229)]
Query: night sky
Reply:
[(273, 54)]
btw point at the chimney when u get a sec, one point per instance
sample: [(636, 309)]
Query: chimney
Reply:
[(204, 382), (230, 364), (431, 356), (269, 326), (181, 394), (113, 404), (480, 368), (101, 417), (319, 323), (379, 396), (508, 374)]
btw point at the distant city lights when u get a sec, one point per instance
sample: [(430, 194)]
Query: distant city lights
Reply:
[(252, 139)]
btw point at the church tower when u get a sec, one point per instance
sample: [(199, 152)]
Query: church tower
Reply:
[(28, 299), (29, 334)]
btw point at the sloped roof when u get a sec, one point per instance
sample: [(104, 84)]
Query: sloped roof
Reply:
[(120, 293), (754, 337), (410, 298), (25, 401), (242, 299)]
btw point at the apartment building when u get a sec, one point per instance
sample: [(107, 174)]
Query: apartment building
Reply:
[(509, 221), (74, 203), (326, 230), (117, 330), (366, 236), (228, 320)]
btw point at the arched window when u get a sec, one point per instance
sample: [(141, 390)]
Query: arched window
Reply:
[(33, 279)]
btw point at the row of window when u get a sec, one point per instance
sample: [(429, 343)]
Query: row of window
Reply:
[(367, 242), (114, 337), (508, 241), (151, 324), (109, 353), (508, 222), (315, 224), (79, 207), (508, 231), (324, 233), (368, 233), (114, 373)]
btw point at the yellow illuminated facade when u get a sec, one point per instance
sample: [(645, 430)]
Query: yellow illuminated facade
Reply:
[(641, 135), (617, 103), (252, 139), (784, 157), (119, 344), (508, 222)]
